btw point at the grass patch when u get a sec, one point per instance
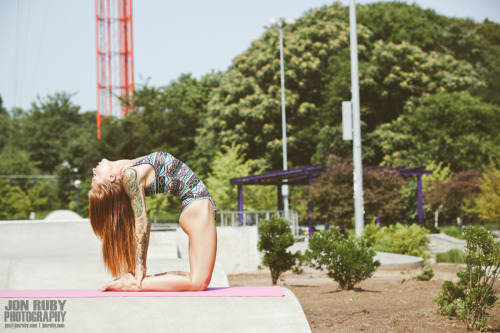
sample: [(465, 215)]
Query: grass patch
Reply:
[(452, 231), (453, 256)]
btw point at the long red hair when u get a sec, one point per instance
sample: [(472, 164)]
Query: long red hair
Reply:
[(113, 222)]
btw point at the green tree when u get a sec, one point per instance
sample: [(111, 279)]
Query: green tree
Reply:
[(450, 197), (490, 35), (464, 39), (160, 204), (332, 194), (167, 118), (42, 196), (382, 194), (440, 174), (487, 203), (245, 108), (398, 73), (4, 125), (396, 22), (15, 161), (467, 141), (226, 165), (230, 164), (47, 127), (14, 203)]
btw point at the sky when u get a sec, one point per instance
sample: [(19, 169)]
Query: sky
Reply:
[(49, 46)]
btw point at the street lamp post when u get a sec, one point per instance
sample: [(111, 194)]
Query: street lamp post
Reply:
[(284, 188), (356, 123), (77, 186)]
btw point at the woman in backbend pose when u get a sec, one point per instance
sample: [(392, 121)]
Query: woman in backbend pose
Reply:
[(118, 217)]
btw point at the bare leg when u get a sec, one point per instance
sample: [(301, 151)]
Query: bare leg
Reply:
[(198, 223)]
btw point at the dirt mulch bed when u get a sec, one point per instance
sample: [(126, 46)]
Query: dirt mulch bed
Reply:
[(390, 301)]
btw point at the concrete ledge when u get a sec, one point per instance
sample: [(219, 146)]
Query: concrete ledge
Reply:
[(440, 243), (183, 314), (394, 261), (445, 238)]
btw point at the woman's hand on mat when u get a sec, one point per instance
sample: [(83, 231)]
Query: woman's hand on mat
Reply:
[(125, 283), (140, 274)]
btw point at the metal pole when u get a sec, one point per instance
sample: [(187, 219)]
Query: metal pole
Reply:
[(309, 210), (77, 184), (284, 187), (419, 198), (358, 165), (240, 203)]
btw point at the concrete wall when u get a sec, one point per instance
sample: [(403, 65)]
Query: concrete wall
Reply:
[(21, 239), (236, 248)]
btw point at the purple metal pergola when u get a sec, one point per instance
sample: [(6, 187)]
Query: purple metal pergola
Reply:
[(304, 176), (417, 171), (298, 176)]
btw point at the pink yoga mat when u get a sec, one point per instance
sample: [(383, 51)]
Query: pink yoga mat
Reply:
[(210, 292)]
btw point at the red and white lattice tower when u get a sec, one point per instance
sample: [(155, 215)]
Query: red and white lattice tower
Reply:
[(115, 66)]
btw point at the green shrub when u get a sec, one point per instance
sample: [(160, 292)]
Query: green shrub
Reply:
[(473, 294), (452, 231), (371, 232), (275, 238), (426, 275), (453, 256), (348, 261), (448, 298), (397, 238)]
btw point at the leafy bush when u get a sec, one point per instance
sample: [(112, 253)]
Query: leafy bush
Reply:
[(275, 238), (473, 294), (447, 299), (452, 231), (451, 256), (348, 261), (487, 203), (426, 275), (397, 238)]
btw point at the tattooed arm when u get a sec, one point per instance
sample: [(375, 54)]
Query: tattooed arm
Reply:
[(135, 191)]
